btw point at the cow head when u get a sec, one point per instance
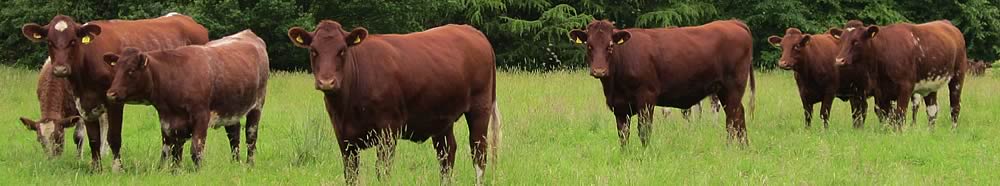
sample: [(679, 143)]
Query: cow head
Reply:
[(131, 74), (601, 37), (855, 39), (49, 132), (65, 38), (329, 47), (792, 45)]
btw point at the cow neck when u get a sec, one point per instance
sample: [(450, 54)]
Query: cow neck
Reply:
[(149, 81)]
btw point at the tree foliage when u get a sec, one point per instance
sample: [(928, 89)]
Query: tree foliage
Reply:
[(526, 34)]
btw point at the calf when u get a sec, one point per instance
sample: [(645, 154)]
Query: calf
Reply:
[(58, 110), (674, 67), (811, 57), (905, 59), (379, 88), (978, 67), (196, 87), (76, 51)]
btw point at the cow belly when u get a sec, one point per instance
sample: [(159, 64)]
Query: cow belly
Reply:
[(220, 120), (931, 84)]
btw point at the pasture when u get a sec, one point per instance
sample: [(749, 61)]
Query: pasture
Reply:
[(557, 131)]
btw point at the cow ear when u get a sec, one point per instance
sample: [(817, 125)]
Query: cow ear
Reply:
[(143, 61), (621, 37), (578, 36), (774, 40), (871, 32), (34, 32), (88, 32), (835, 32), (111, 58), (356, 36), (805, 39), (66, 122), (32, 125), (300, 37)]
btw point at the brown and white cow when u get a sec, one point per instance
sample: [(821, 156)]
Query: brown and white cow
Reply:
[(76, 51), (195, 87), (673, 67), (58, 111), (905, 59), (978, 67), (811, 57), (379, 88)]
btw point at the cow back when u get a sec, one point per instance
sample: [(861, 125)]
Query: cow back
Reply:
[(55, 98)]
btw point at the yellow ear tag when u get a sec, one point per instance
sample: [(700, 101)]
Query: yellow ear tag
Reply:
[(578, 41), (621, 41), (85, 40), (298, 39), (357, 40), (873, 35), (37, 36)]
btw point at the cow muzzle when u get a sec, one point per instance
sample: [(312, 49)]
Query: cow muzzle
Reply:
[(60, 70), (784, 65), (599, 73), (840, 61), (327, 85), (113, 96)]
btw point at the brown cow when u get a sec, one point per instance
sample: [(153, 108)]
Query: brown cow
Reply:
[(379, 88), (58, 111), (675, 67), (196, 87), (77, 50), (905, 59), (978, 67), (811, 57)]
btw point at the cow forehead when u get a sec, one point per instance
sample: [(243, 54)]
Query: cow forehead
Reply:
[(60, 26)]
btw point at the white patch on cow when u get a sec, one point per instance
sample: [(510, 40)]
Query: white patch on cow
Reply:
[(48, 60), (171, 14), (46, 129), (849, 29), (931, 84), (479, 174), (60, 26), (932, 111), (219, 121), (165, 127)]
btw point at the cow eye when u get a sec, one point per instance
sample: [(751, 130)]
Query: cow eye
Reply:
[(130, 72)]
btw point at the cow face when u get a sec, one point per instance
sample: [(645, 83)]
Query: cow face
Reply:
[(65, 38), (49, 132), (130, 74), (855, 39), (600, 39), (329, 50), (792, 47)]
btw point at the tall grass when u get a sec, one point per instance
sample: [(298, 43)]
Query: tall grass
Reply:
[(557, 132)]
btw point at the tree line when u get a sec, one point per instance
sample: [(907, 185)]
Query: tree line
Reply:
[(526, 34)]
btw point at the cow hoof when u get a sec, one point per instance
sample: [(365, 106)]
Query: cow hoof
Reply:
[(116, 166)]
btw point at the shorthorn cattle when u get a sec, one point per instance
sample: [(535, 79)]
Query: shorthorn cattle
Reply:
[(905, 59), (58, 111), (195, 87), (811, 57), (383, 87), (76, 51), (673, 67)]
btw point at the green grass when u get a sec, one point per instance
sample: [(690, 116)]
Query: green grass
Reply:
[(557, 132)]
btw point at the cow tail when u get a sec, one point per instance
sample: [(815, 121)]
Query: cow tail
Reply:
[(496, 131)]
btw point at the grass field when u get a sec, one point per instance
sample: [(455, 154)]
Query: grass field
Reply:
[(557, 132)]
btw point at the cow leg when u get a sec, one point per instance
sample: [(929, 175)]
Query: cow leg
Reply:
[(735, 121), (445, 146), (882, 109), (916, 105), (686, 114), (114, 115), (859, 108), (479, 122), (623, 124), (78, 135), (902, 103), (93, 127), (645, 124), (177, 149), (955, 95), (808, 112), (199, 125), (349, 151), (824, 110), (253, 120), (386, 151), (233, 133), (930, 100)]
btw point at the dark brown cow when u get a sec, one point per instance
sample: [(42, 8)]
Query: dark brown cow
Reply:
[(811, 57), (58, 111), (673, 67), (379, 88), (77, 50), (196, 87), (905, 59)]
